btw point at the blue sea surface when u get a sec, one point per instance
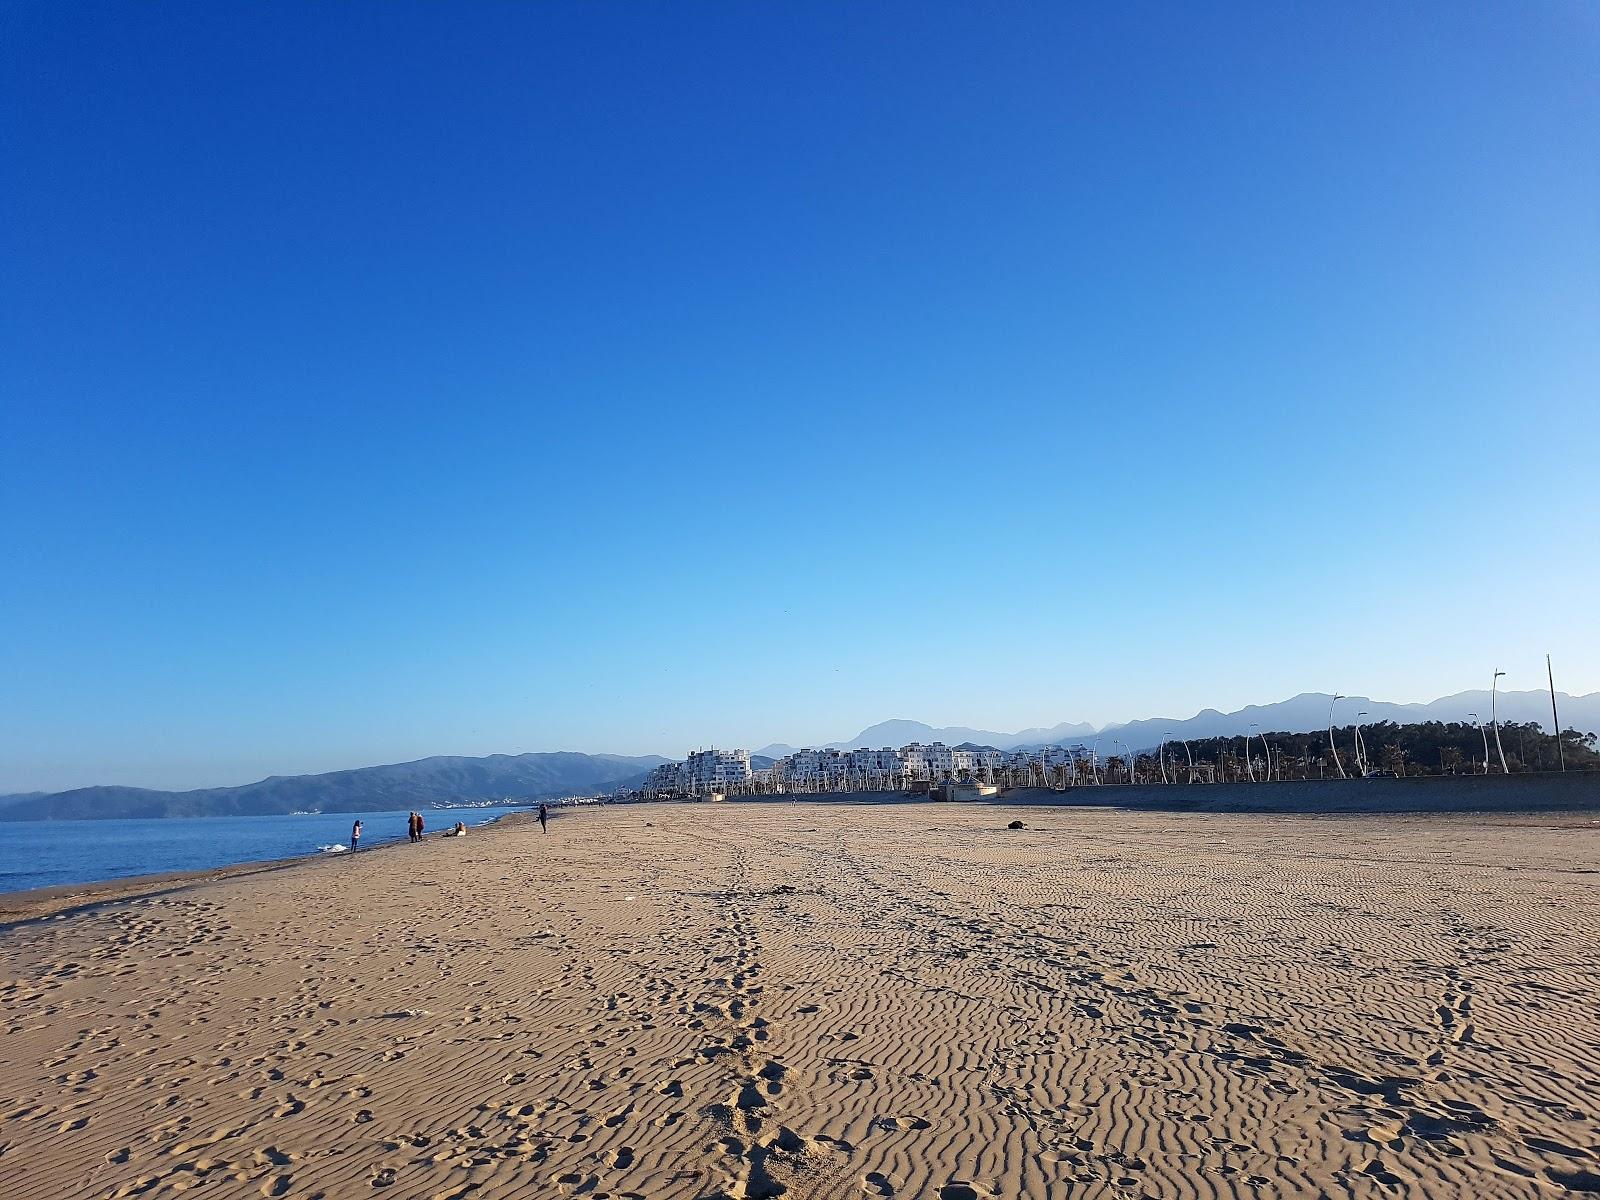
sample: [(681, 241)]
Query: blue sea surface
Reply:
[(35, 854)]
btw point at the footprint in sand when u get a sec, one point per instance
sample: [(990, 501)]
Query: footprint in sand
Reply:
[(876, 1183)]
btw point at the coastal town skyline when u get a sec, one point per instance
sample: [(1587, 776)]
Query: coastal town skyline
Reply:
[(1298, 714)]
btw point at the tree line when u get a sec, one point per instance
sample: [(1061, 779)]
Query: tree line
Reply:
[(1424, 748)]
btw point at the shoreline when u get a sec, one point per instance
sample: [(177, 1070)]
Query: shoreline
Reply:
[(1574, 793), (68, 899)]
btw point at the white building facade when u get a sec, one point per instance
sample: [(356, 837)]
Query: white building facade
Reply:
[(865, 769)]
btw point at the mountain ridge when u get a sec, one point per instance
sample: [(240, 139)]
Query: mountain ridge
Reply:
[(1303, 713), (390, 786)]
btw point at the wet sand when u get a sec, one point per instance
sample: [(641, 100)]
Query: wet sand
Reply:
[(828, 1001)]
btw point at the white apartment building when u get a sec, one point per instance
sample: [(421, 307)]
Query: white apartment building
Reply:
[(706, 771), (875, 767), (715, 770), (702, 772)]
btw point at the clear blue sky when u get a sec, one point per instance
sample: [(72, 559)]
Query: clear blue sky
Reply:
[(382, 380)]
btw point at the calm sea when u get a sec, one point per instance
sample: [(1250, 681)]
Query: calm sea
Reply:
[(36, 854)]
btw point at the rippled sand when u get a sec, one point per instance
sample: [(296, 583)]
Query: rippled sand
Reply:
[(832, 1001)]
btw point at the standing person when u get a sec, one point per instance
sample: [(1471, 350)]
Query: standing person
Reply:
[(420, 827), (544, 819), (355, 837), (412, 832)]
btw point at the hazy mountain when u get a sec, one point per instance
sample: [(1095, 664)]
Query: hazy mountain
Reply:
[(420, 784), (1054, 736), (1309, 711), (1301, 714), (902, 733)]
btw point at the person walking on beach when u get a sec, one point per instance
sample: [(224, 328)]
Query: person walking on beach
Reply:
[(412, 832), (355, 837), (544, 819)]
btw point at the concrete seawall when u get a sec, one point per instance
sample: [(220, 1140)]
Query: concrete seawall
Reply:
[(1543, 792), (1534, 792)]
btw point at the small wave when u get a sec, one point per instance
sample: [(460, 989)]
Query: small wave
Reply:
[(336, 848)]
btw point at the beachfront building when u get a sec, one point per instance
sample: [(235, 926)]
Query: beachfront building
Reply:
[(716, 771), (863, 770), (663, 782), (875, 770), (703, 772)]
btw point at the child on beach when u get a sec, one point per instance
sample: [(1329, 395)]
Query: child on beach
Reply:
[(355, 837)]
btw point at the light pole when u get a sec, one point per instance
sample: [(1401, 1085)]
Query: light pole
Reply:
[(1249, 768), (1478, 721), (1190, 758), (1495, 721), (1127, 758), (1161, 756), (1267, 750), (1331, 745), (1554, 718), (1361, 750)]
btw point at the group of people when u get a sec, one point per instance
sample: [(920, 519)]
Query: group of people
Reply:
[(415, 825)]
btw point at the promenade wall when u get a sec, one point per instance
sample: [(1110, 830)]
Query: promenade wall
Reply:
[(1532, 792)]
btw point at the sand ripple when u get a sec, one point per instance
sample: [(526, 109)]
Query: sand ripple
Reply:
[(753, 1001)]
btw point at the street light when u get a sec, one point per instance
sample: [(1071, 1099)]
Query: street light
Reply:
[(1478, 721), (1331, 745), (1495, 720), (1249, 769), (1191, 759), (1127, 756), (1161, 756), (1361, 750)]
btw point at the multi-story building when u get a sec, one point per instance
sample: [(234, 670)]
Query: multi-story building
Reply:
[(663, 781), (875, 768), (808, 770), (715, 770)]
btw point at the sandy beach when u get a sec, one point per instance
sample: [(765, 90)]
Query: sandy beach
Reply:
[(829, 1001)]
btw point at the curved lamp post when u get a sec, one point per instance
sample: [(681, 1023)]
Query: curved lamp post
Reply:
[(1127, 757), (1495, 721), (1331, 745), (1478, 721), (1190, 758), (1361, 750), (1161, 758), (1249, 768)]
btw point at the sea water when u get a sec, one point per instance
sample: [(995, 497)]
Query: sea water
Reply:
[(35, 854)]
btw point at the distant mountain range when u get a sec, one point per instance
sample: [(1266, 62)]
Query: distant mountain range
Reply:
[(1302, 714), (448, 780), (420, 784)]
